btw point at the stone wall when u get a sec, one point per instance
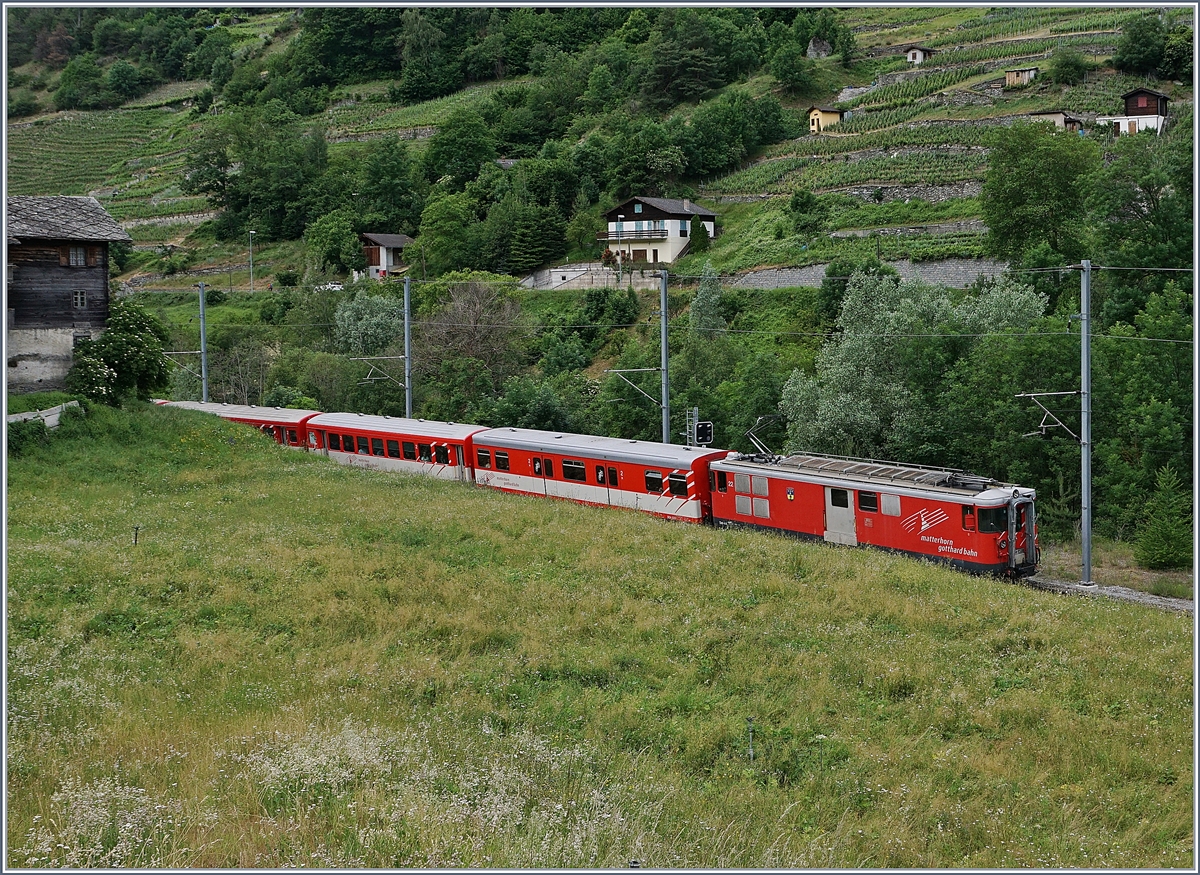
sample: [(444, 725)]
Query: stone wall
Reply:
[(39, 358), (953, 272)]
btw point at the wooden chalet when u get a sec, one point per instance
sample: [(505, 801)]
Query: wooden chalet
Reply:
[(1145, 110), (653, 229), (56, 287), (382, 253)]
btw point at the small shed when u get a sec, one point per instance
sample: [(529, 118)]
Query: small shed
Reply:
[(917, 54), (1020, 76), (1145, 110), (382, 253), (821, 117), (1059, 119)]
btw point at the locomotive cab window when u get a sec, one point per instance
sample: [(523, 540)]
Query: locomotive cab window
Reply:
[(376, 446), (576, 471), (677, 483), (364, 446), (993, 519), (839, 497), (442, 454), (424, 452), (654, 481), (868, 502), (335, 441), (484, 458), (722, 481), (501, 461), (393, 449)]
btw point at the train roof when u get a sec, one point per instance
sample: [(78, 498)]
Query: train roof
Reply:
[(430, 428), (878, 473), (595, 447), (278, 415)]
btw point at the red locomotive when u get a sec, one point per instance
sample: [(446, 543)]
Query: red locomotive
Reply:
[(971, 522)]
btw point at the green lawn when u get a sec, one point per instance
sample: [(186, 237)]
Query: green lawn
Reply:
[(303, 664)]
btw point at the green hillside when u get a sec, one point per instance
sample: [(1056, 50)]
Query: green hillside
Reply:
[(224, 653)]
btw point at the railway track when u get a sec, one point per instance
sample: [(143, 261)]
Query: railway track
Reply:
[(1122, 593)]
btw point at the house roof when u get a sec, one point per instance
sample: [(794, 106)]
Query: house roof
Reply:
[(61, 218), (392, 241), (1063, 113), (1021, 69), (667, 205), (824, 109), (1129, 94), (925, 49)]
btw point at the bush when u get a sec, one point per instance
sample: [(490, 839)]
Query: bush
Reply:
[(289, 279), (25, 436)]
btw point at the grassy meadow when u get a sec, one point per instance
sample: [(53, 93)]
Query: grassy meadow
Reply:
[(302, 664)]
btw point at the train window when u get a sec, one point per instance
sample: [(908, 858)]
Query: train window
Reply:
[(612, 476), (410, 450), (993, 519), (741, 482), (501, 461), (292, 439), (442, 454), (484, 457), (868, 501), (741, 503), (839, 497), (537, 466), (891, 504), (424, 453), (722, 481), (761, 486), (335, 441), (549, 467), (762, 508), (314, 440), (968, 518), (576, 471), (364, 446), (393, 449), (599, 472), (376, 446), (654, 482), (677, 483)]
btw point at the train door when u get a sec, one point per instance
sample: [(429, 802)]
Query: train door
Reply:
[(460, 468), (538, 481), (839, 517)]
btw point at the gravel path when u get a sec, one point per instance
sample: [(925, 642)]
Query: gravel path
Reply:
[(1122, 593)]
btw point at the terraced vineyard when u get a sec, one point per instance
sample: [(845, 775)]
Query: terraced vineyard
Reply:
[(74, 153)]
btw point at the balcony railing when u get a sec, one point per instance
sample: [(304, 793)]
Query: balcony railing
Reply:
[(644, 234)]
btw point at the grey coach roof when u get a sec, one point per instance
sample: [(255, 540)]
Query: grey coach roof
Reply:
[(594, 447), (278, 415), (61, 218), (430, 428)]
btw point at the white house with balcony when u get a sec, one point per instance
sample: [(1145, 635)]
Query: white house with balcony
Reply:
[(653, 230)]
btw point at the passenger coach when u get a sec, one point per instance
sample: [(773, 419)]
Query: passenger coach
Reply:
[(286, 425), (416, 446), (968, 521), (663, 479)]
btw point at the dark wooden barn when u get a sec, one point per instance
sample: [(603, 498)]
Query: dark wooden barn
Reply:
[(56, 283)]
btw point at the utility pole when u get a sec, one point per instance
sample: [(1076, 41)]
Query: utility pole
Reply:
[(666, 383), (407, 348), (1085, 431), (251, 262), (203, 351)]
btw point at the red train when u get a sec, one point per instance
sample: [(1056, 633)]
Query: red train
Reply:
[(967, 521)]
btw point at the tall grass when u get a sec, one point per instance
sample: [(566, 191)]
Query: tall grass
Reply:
[(302, 664)]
